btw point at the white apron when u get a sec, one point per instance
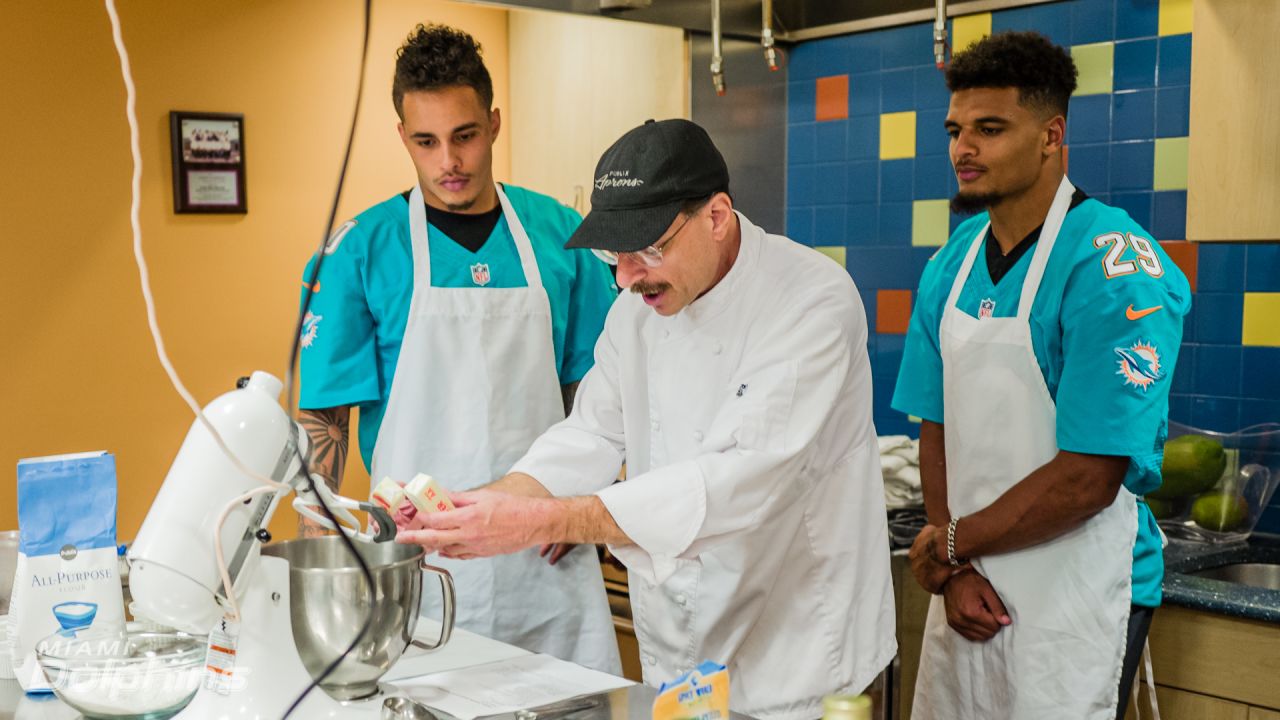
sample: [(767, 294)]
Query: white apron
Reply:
[(475, 384), (1068, 598)]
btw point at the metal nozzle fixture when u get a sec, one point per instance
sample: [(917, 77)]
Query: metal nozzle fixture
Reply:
[(940, 35), (766, 35), (717, 51)]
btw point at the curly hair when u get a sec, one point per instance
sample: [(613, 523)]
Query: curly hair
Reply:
[(1043, 73), (438, 56)]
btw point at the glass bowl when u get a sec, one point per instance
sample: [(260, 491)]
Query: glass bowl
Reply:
[(141, 674), (1224, 510)]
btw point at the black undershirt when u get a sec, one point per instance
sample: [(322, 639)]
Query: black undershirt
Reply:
[(999, 264), (470, 230)]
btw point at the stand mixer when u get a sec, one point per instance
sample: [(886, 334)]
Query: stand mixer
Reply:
[(175, 581)]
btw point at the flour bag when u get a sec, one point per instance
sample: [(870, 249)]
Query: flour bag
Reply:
[(68, 573)]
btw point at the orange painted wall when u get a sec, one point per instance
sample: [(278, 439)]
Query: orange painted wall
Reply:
[(79, 371)]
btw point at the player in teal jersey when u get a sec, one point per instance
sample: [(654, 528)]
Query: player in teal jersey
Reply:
[(454, 318), (1039, 358)]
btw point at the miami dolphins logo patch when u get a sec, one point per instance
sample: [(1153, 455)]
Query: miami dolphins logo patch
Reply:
[(310, 329), (1139, 365)]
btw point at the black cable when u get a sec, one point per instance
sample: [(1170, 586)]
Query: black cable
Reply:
[(293, 360)]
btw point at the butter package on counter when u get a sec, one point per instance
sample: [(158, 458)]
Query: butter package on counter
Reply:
[(389, 494), (427, 495), (700, 694)]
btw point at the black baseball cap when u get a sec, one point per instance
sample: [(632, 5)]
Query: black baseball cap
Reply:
[(644, 179)]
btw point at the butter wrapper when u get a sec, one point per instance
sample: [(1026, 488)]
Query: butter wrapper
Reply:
[(389, 494), (427, 495), (699, 694)]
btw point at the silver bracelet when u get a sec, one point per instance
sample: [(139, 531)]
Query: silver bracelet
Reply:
[(951, 543)]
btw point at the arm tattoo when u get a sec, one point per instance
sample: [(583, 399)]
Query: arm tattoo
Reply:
[(329, 431)]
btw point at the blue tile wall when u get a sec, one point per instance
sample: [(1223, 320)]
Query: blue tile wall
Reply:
[(1135, 64), (1089, 120), (1173, 111), (1174, 65), (1133, 115), (1136, 18), (1169, 215), (839, 192), (1263, 272)]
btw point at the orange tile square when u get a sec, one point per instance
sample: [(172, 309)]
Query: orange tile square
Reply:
[(893, 311), (832, 98), (1186, 255)]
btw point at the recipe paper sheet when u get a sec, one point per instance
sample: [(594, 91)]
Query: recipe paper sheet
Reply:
[(507, 685)]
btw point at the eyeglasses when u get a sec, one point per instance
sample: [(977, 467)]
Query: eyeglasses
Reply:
[(650, 257)]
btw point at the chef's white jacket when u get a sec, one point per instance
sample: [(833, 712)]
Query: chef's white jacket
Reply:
[(754, 494)]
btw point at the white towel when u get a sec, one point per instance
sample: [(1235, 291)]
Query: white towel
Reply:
[(900, 466)]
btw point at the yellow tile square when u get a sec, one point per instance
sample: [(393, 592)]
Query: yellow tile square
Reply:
[(835, 253), (1261, 319), (1171, 164), (1095, 64), (898, 135), (930, 222), (1175, 17), (969, 29)]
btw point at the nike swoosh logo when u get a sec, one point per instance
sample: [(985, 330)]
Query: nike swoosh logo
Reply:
[(1132, 314)]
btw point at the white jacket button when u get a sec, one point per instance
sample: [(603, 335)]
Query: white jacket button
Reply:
[(650, 660), (655, 425), (682, 600), (717, 349), (697, 435)]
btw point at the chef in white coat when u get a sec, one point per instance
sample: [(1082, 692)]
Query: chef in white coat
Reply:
[(734, 382)]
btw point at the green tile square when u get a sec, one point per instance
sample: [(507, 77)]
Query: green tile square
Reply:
[(1095, 64), (1171, 164), (835, 253), (930, 222)]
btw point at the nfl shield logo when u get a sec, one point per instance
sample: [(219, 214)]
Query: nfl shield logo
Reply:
[(480, 273), (986, 308)]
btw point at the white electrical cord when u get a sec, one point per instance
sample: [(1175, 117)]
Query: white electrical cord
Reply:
[(145, 280)]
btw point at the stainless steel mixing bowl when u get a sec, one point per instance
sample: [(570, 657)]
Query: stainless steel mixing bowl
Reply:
[(330, 600)]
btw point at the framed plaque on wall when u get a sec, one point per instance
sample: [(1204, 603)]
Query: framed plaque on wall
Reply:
[(208, 162)]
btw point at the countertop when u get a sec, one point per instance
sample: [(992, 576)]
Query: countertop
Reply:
[(1215, 595), (629, 703)]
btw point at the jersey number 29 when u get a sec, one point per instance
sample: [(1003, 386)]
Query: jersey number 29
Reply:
[(1112, 264)]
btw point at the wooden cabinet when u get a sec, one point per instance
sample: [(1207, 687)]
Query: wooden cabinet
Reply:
[(1181, 705), (1233, 159), (1212, 667), (1207, 666), (577, 84)]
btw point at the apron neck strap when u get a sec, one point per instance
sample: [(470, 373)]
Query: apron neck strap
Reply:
[(421, 246), (1044, 246), (965, 267), (1039, 259)]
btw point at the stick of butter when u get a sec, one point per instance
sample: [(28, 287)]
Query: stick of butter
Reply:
[(389, 495), (426, 495)]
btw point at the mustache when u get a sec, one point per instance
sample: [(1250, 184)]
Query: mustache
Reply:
[(644, 288)]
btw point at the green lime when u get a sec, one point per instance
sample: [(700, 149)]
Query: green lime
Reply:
[(1192, 465), (1220, 512)]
